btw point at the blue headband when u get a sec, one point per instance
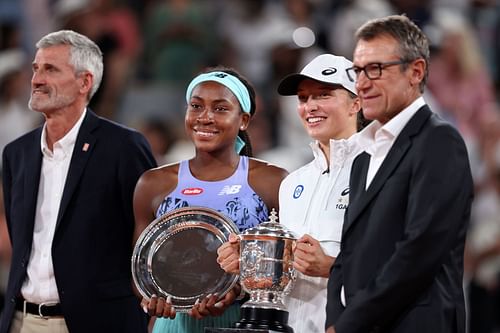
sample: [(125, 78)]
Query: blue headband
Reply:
[(232, 83)]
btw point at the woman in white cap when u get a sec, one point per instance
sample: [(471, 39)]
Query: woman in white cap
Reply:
[(314, 197)]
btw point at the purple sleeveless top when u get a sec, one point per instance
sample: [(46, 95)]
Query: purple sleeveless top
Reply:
[(232, 196)]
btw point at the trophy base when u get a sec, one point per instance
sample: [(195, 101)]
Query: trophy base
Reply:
[(264, 319)]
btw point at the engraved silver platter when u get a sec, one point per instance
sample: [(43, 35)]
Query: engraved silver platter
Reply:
[(176, 255)]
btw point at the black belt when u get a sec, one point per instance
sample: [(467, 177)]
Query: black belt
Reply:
[(42, 310)]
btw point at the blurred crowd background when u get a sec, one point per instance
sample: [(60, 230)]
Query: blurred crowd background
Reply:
[(152, 49)]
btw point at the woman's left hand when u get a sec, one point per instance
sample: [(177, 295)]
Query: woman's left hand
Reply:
[(212, 305)]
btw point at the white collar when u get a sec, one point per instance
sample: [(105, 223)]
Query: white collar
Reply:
[(340, 150), (390, 129), (66, 143)]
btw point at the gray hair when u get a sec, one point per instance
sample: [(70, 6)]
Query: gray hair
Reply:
[(85, 55), (413, 44)]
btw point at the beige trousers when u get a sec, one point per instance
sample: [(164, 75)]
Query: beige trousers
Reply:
[(28, 323)]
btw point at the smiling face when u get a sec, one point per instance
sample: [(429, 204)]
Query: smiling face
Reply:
[(327, 111), (54, 84), (214, 117), (397, 87)]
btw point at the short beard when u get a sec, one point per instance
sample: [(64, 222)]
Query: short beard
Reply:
[(51, 103)]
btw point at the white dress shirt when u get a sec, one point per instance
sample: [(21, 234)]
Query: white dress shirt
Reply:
[(377, 138), (40, 284)]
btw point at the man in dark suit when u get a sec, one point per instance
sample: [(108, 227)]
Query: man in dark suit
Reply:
[(68, 189), (401, 260)]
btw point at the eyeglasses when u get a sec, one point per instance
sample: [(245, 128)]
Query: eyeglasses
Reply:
[(372, 71)]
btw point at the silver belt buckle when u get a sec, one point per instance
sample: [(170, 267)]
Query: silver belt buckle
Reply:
[(40, 308)]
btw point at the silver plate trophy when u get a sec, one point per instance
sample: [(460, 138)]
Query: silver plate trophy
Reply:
[(267, 274), (176, 255)]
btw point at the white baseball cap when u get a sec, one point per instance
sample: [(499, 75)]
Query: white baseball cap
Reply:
[(326, 68)]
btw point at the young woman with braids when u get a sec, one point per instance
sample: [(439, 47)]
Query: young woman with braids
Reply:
[(220, 104)]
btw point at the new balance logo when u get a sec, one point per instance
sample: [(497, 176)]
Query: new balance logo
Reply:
[(230, 189)]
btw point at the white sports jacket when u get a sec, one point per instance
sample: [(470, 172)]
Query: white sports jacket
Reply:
[(313, 200)]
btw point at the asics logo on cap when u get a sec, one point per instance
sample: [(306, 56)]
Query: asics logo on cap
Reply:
[(329, 71)]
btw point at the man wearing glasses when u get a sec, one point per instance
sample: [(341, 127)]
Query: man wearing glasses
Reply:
[(400, 265)]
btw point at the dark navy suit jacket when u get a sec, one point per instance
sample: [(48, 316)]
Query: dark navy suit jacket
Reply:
[(401, 258), (92, 244)]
